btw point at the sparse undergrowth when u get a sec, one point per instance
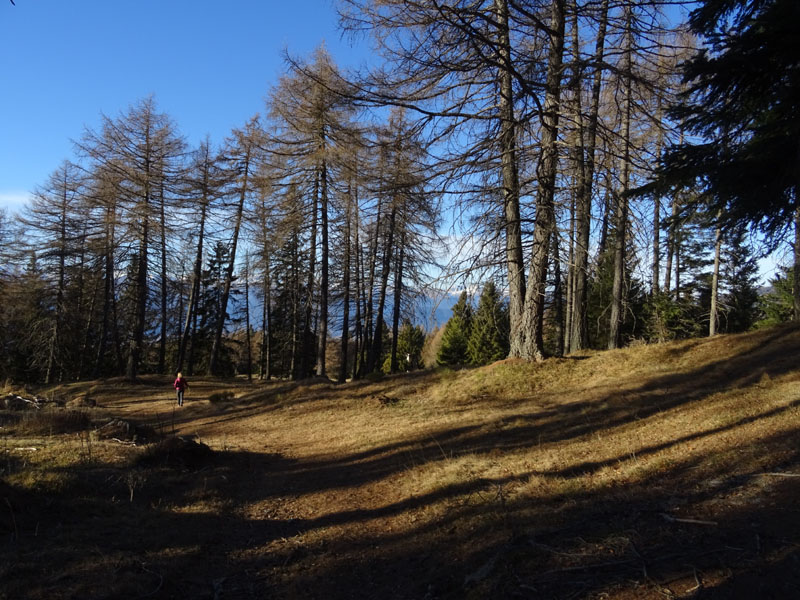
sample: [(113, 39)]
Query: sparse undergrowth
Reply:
[(657, 471), (52, 422)]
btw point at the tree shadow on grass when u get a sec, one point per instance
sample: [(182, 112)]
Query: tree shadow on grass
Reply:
[(255, 525), (91, 541)]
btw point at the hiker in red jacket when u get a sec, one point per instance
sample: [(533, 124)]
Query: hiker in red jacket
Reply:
[(180, 384)]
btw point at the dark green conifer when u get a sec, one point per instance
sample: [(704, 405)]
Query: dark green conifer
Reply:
[(488, 340), (739, 303), (453, 351)]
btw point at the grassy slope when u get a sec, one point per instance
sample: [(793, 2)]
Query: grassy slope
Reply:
[(646, 472)]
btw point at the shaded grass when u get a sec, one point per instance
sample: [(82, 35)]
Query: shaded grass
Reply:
[(53, 421), (548, 480)]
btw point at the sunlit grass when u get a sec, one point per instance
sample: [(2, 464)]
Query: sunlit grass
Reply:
[(310, 477)]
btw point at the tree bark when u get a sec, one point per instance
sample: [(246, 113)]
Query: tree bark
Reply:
[(377, 339), (713, 313), (194, 293), (247, 340), (265, 359), (322, 328), (346, 286), (531, 341), (621, 212), (579, 335), (312, 266), (371, 327), (162, 346), (558, 299), (510, 179), (226, 290), (398, 294), (137, 338), (359, 292)]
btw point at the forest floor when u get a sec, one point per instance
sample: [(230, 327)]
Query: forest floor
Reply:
[(658, 471)]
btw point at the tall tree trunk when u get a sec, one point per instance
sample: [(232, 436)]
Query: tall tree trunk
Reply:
[(510, 179), (605, 219), (558, 299), (247, 340), (265, 359), (297, 343), (579, 336), (226, 290), (90, 326), (346, 286), (678, 265), (322, 328), (108, 290), (372, 329), (713, 318), (672, 239), (55, 338), (140, 316), (672, 231), (656, 285), (531, 340), (312, 266), (194, 294), (374, 356), (570, 287), (162, 347), (359, 291), (621, 212), (115, 329), (398, 294)]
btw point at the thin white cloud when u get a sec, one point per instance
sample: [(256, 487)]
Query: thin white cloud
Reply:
[(13, 201)]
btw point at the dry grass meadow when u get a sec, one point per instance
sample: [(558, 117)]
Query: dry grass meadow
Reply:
[(662, 471)]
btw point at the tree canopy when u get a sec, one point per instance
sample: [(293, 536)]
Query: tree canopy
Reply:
[(741, 112)]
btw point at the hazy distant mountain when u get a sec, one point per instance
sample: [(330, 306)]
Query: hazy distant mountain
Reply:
[(434, 311)]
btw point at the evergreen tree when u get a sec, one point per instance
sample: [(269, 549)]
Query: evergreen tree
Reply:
[(488, 340), (740, 109), (777, 306), (410, 341), (667, 319), (742, 104), (453, 351), (683, 310), (740, 308), (25, 309), (212, 309), (600, 299)]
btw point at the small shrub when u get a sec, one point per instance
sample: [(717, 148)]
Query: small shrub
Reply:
[(225, 396)]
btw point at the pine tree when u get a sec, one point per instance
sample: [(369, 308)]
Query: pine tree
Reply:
[(488, 340), (742, 106), (410, 341), (777, 306), (740, 276), (453, 351), (212, 308)]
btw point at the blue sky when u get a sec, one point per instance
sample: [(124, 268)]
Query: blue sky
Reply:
[(209, 64)]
